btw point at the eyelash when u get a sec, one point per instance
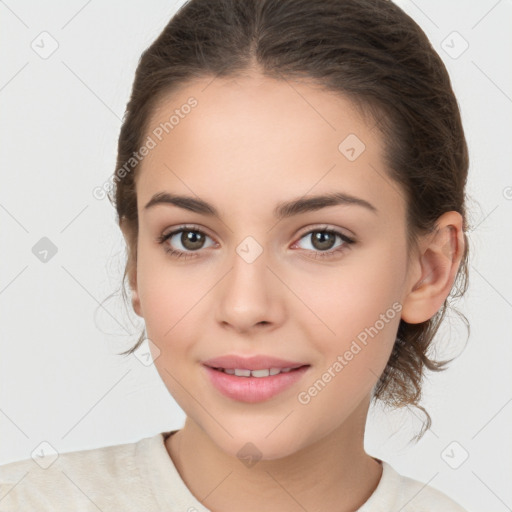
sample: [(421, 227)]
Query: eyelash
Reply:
[(319, 254)]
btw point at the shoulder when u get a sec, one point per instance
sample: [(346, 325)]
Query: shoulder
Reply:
[(80, 480), (411, 495)]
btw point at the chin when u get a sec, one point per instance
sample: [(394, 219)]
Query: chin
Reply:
[(251, 446)]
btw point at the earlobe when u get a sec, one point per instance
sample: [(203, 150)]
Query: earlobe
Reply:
[(132, 279), (439, 257), (136, 302)]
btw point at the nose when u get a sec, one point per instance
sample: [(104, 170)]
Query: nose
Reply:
[(250, 295)]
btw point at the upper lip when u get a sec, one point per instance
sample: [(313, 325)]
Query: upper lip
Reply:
[(258, 362)]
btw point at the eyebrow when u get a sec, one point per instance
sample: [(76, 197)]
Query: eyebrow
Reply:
[(283, 210)]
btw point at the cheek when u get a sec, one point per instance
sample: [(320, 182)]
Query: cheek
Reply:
[(355, 313), (351, 297), (166, 291), (362, 312), (168, 300)]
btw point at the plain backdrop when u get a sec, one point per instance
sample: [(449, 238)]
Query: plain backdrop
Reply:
[(61, 380)]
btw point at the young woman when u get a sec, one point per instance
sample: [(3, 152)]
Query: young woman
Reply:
[(290, 184)]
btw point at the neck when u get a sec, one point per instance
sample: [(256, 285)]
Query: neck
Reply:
[(333, 473)]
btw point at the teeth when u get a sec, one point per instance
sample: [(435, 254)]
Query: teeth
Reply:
[(260, 373), (239, 372)]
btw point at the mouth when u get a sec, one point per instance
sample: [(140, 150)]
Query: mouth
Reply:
[(258, 385)]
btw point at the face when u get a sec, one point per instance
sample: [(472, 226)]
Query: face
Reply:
[(317, 286)]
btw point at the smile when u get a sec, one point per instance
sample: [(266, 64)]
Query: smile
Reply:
[(251, 386)]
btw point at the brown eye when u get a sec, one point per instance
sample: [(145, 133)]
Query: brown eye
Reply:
[(323, 242), (184, 241)]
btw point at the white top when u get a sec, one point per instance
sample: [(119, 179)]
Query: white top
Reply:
[(141, 476)]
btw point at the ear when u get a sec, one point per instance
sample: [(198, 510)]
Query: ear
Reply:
[(130, 237), (434, 268)]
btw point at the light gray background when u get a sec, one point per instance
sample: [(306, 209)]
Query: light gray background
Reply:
[(61, 380)]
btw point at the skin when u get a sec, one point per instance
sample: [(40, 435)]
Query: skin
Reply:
[(249, 144)]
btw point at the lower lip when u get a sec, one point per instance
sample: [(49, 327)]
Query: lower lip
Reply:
[(254, 389)]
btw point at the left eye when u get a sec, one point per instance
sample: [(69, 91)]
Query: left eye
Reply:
[(323, 239)]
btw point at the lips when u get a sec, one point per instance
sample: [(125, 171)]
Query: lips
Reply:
[(254, 389), (257, 362)]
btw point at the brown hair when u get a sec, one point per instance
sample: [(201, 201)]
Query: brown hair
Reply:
[(368, 50)]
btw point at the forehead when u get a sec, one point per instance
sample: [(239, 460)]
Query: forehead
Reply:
[(249, 109), (261, 138)]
